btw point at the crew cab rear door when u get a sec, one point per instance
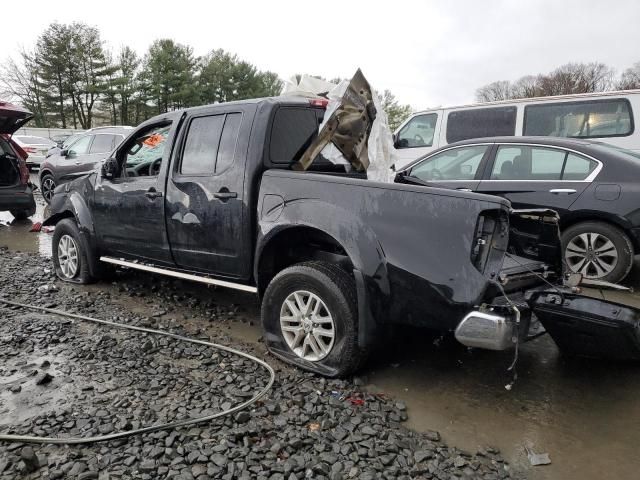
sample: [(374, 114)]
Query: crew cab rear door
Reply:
[(206, 207)]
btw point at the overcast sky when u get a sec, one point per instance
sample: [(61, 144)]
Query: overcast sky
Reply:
[(427, 53)]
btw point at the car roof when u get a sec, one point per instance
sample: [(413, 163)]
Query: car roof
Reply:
[(541, 140)]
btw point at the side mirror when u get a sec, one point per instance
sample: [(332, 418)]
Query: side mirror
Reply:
[(109, 168), (395, 140), (64, 152)]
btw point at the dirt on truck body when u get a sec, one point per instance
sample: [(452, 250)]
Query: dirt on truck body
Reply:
[(242, 195)]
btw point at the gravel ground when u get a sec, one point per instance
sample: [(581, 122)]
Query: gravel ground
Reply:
[(60, 377)]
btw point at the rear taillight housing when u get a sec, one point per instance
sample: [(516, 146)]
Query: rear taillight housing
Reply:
[(319, 102), (24, 171)]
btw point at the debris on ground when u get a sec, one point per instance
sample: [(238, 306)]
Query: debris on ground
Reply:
[(306, 427), (537, 459)]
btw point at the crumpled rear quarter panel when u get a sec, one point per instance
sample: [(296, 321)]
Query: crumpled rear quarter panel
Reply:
[(412, 244)]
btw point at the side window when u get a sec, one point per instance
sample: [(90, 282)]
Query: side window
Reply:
[(228, 142), (81, 146), (102, 143), (292, 132), (143, 154), (527, 163), (585, 119), (418, 132), (578, 168), (454, 164), (210, 144), (481, 122), (201, 145)]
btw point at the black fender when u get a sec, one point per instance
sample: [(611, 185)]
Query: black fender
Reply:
[(73, 205), (358, 241)]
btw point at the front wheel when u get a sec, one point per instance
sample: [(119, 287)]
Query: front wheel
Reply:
[(309, 317), (70, 258), (47, 186), (597, 250)]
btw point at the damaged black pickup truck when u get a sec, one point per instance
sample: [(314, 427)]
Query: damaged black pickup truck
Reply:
[(233, 195)]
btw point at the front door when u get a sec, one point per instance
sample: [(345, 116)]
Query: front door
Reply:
[(537, 176), (206, 211), (416, 138), (129, 209)]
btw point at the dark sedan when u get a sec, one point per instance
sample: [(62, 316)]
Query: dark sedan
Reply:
[(594, 187), (82, 155)]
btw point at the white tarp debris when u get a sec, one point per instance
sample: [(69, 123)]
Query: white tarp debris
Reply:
[(380, 152)]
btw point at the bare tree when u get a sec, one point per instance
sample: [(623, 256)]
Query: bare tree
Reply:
[(525, 87), (630, 78), (21, 81), (500, 90)]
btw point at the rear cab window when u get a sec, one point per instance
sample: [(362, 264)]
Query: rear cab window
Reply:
[(480, 123), (582, 119), (292, 131)]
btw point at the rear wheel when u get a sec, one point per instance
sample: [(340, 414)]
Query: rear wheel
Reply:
[(597, 250), (70, 258), (309, 316), (47, 186)]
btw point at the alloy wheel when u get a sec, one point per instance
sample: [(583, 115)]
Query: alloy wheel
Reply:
[(48, 186), (307, 325), (68, 256), (591, 254)]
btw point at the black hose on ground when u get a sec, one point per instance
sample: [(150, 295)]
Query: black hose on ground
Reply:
[(164, 426)]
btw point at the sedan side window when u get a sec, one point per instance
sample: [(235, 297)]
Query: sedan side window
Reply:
[(418, 132), (454, 164), (578, 168), (81, 146), (527, 163)]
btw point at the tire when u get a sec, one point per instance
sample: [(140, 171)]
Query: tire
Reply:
[(335, 289), (23, 214), (598, 250), (67, 245), (47, 185)]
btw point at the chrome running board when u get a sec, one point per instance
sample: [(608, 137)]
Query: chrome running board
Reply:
[(184, 276)]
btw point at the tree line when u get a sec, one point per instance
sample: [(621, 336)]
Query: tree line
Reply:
[(564, 80), (69, 79)]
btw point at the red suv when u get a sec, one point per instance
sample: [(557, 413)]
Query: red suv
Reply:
[(16, 192)]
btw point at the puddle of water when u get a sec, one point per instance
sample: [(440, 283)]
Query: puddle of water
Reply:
[(16, 236)]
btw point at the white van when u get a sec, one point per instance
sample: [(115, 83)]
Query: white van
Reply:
[(609, 116)]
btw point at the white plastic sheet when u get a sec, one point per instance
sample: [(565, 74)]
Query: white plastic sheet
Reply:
[(380, 142)]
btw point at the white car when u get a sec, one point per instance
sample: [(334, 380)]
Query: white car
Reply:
[(36, 148)]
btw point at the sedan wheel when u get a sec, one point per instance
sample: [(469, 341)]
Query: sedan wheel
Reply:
[(48, 185), (591, 254), (68, 256), (307, 325)]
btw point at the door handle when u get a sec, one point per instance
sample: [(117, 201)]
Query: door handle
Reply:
[(222, 195), (152, 193), (558, 191), (464, 189)]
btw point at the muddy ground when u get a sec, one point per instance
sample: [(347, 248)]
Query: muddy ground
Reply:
[(585, 414)]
